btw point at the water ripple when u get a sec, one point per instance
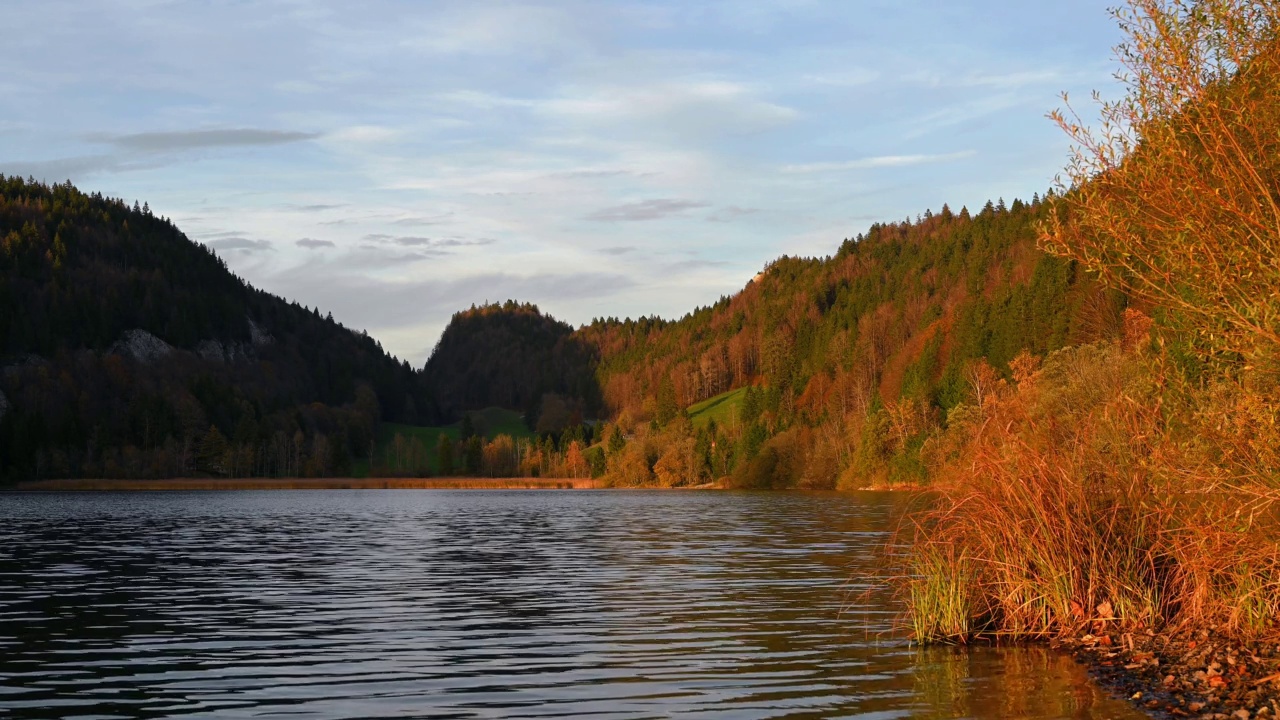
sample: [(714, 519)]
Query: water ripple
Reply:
[(456, 604)]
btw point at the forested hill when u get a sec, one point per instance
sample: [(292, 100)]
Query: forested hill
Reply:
[(900, 309), (510, 355), (852, 361), (128, 350)]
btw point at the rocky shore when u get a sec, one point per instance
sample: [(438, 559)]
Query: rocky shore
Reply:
[(1185, 675)]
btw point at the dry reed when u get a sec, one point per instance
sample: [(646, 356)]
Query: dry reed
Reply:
[(1082, 501)]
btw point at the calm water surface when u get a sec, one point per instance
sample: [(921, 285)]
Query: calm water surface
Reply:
[(380, 604)]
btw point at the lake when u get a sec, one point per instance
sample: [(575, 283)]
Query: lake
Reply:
[(480, 604)]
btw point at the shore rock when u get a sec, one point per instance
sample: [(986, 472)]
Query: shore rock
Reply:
[(1175, 675)]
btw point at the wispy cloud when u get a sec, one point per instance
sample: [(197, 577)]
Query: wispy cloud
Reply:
[(364, 134), (855, 77), (881, 161), (241, 245), (644, 210), (420, 221), (731, 213), (74, 167), (427, 242), (313, 244), (146, 151), (196, 139)]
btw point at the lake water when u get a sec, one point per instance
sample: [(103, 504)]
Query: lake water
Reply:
[(456, 604)]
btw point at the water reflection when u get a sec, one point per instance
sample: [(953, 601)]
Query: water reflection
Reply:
[(332, 604)]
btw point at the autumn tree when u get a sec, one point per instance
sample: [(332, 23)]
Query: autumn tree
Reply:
[(1173, 197)]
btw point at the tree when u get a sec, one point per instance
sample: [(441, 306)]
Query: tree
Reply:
[(1173, 197), (444, 455), (575, 462), (474, 455), (554, 415), (668, 409), (615, 441), (213, 451)]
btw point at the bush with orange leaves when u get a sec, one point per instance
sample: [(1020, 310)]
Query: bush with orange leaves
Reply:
[(1093, 482)]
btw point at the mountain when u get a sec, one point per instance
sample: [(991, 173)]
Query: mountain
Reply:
[(126, 349)]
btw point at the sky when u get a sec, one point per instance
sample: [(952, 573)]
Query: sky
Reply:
[(395, 161)]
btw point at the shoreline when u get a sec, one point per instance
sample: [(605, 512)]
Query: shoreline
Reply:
[(450, 483), (1192, 674)]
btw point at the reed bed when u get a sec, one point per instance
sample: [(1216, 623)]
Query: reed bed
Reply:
[(1087, 497)]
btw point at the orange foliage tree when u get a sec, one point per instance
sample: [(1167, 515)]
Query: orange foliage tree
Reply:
[(1173, 197)]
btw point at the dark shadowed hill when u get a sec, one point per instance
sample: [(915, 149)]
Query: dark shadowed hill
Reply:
[(510, 355), (128, 350)]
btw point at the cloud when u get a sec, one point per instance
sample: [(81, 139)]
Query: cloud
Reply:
[(459, 242), (644, 210), (618, 250), (412, 241), (240, 244), (312, 244), (854, 77), (426, 242), (72, 167), (157, 149), (415, 221), (731, 213), (881, 161), (364, 134), (595, 174), (160, 142), (693, 265), (684, 110)]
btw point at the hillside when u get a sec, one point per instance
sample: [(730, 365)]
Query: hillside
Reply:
[(820, 368), (129, 350)]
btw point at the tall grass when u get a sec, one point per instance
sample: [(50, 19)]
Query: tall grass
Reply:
[(1084, 497)]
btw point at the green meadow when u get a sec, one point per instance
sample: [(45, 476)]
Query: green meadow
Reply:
[(723, 408)]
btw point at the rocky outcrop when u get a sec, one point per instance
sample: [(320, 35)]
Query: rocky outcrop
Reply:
[(259, 335), (215, 351), (141, 346)]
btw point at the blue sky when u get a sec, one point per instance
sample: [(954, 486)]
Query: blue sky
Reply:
[(395, 161)]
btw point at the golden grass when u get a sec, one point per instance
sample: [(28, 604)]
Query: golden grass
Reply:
[(1078, 502)]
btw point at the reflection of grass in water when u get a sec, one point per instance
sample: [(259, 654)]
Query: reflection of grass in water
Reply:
[(1008, 682)]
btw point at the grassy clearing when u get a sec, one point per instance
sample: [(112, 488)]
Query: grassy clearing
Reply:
[(723, 408), (489, 422)]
